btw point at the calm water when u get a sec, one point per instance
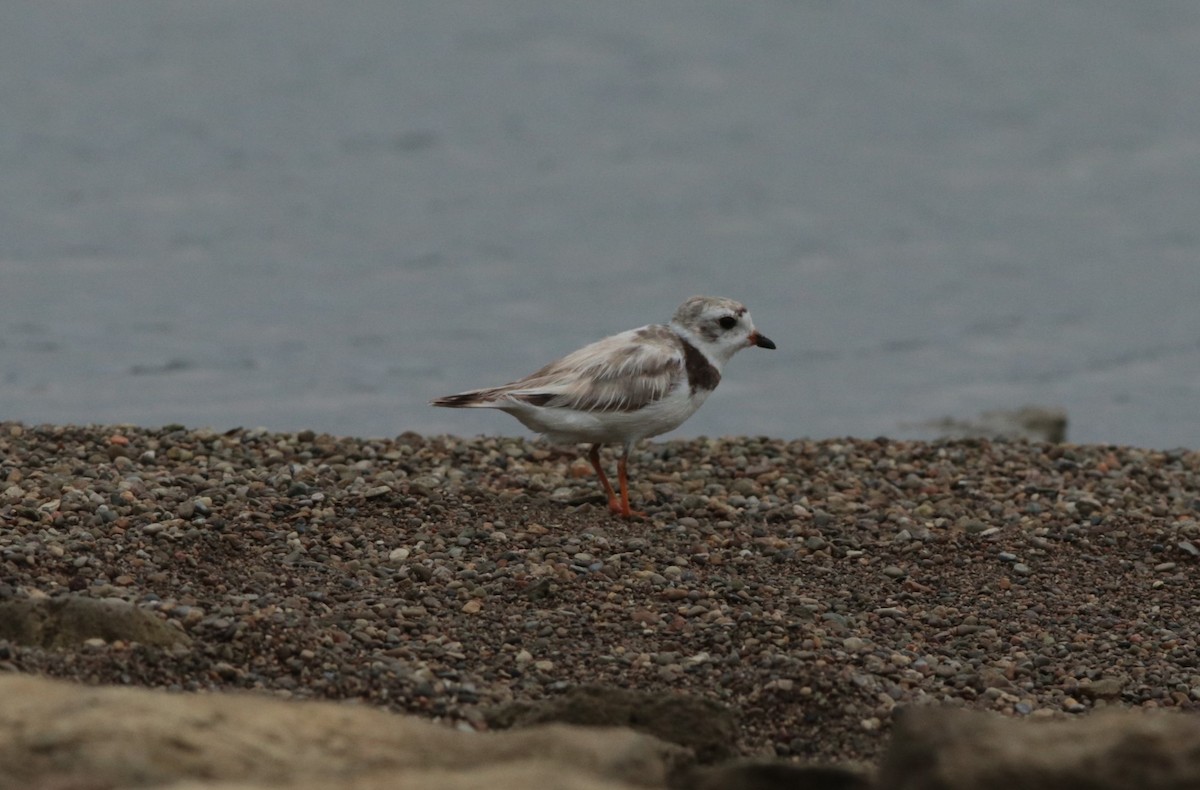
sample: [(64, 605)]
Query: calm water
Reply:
[(318, 215)]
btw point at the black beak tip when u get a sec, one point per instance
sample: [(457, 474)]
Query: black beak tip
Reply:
[(765, 342)]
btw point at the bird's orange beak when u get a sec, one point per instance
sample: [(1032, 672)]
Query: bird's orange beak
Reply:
[(758, 339)]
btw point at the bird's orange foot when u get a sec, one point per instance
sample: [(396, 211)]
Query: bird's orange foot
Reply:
[(624, 511)]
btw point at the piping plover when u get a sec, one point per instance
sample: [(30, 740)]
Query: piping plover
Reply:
[(626, 387)]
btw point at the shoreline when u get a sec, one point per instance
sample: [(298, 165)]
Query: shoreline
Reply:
[(811, 587)]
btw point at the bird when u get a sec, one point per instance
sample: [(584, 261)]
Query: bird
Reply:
[(626, 387)]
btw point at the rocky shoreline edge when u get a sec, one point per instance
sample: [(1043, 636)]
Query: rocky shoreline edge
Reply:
[(858, 611)]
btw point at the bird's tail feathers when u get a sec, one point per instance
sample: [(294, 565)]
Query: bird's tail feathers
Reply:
[(475, 399), (495, 398)]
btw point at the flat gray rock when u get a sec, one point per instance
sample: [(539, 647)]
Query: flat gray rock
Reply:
[(59, 734)]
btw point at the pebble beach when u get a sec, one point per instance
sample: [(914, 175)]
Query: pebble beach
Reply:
[(810, 587)]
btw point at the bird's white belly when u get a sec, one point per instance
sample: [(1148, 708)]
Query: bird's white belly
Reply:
[(569, 426)]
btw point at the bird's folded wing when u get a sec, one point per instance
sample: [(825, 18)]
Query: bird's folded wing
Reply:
[(625, 372)]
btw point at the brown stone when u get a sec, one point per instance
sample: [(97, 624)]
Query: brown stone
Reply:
[(69, 620), (703, 726), (947, 749)]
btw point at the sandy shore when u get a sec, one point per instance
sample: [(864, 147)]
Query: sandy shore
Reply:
[(811, 587)]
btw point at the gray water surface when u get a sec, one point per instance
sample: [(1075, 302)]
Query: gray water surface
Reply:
[(314, 215)]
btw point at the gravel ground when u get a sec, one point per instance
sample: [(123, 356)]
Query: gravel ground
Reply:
[(810, 586)]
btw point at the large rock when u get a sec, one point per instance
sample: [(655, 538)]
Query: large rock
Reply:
[(54, 733), (774, 775), (702, 725), (1035, 423), (70, 620), (524, 776), (947, 749)]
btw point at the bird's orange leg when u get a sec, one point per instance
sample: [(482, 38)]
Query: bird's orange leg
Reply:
[(613, 503), (623, 480)]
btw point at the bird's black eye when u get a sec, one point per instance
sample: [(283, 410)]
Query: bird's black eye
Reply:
[(727, 322)]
